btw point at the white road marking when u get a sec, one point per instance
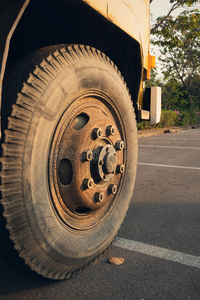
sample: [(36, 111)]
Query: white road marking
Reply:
[(171, 147), (163, 253), (168, 166), (172, 139), (189, 135)]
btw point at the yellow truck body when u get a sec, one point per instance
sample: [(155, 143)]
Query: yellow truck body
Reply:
[(131, 16)]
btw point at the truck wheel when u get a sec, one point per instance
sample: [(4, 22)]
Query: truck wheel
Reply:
[(69, 159)]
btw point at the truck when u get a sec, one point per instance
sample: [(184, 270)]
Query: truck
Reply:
[(72, 85)]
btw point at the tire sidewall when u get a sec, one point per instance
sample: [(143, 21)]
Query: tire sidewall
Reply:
[(56, 239)]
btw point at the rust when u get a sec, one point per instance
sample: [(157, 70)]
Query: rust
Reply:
[(87, 155), (112, 189), (110, 130), (88, 183), (120, 145), (120, 168), (99, 196), (85, 190), (97, 133)]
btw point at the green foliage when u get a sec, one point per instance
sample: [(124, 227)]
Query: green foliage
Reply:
[(175, 4), (185, 118), (194, 117), (173, 95), (144, 125), (170, 118), (179, 41), (189, 118), (154, 81)]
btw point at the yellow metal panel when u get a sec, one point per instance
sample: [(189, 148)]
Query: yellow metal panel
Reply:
[(99, 5), (121, 15), (141, 11), (132, 16)]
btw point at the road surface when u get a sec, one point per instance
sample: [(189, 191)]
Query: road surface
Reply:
[(159, 239)]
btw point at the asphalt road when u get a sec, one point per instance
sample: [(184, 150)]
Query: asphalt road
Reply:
[(159, 238)]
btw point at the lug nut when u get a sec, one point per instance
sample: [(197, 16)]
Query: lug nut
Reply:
[(112, 189), (88, 183), (120, 168), (87, 155), (110, 130), (120, 145), (97, 133), (99, 197)]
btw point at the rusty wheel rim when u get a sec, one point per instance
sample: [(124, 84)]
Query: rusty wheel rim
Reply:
[(87, 161)]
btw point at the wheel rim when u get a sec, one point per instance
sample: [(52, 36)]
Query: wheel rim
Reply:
[(87, 161)]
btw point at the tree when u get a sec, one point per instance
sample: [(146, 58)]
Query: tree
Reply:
[(154, 80), (173, 95), (179, 41), (175, 4)]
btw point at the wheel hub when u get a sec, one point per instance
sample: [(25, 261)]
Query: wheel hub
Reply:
[(110, 163), (85, 161), (106, 162)]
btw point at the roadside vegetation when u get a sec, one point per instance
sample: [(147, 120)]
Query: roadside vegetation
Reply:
[(179, 42), (170, 118)]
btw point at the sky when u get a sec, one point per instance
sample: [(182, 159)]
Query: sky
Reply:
[(160, 8)]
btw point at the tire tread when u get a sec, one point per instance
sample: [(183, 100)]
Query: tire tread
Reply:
[(50, 63)]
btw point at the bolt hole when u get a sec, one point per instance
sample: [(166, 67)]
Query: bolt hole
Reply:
[(65, 172), (82, 210), (80, 121)]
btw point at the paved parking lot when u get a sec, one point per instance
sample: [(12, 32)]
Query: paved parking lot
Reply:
[(159, 238)]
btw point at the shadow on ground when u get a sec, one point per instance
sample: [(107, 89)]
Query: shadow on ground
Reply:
[(15, 276)]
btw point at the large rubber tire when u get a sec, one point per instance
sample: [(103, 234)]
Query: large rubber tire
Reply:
[(52, 82)]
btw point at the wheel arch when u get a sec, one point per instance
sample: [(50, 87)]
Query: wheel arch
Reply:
[(70, 22)]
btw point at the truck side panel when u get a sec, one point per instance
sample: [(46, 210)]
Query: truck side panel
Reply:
[(9, 10), (10, 14), (135, 23), (51, 22)]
